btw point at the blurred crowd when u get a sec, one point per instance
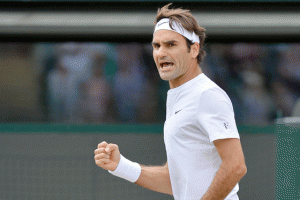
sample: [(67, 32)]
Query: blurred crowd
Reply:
[(119, 83), (101, 83), (263, 81)]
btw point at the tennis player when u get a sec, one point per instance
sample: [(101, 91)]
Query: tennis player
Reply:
[(204, 154)]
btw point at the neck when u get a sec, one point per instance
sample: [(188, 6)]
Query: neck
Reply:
[(189, 75)]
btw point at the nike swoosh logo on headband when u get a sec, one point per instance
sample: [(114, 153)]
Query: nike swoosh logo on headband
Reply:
[(161, 23)]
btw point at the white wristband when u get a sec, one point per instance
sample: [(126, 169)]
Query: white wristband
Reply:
[(127, 170)]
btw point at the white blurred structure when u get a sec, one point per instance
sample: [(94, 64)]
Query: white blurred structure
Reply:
[(221, 23)]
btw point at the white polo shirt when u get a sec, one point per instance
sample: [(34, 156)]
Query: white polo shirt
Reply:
[(198, 112)]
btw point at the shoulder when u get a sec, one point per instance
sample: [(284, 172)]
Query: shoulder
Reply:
[(203, 89), (212, 98), (209, 90)]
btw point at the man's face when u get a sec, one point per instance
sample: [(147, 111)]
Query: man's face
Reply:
[(170, 53)]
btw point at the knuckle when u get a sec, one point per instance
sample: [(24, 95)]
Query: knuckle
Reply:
[(101, 155), (113, 146), (102, 144), (99, 150), (96, 157), (104, 155), (99, 162)]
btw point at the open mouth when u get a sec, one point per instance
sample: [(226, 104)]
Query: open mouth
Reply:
[(166, 65)]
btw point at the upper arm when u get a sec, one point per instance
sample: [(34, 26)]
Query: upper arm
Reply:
[(166, 167), (230, 150)]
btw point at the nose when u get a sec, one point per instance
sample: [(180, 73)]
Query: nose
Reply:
[(161, 52)]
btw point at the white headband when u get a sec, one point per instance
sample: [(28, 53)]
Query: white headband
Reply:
[(163, 24)]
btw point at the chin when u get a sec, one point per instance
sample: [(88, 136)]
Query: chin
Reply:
[(165, 78)]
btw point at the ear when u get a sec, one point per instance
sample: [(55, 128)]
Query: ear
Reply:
[(195, 49)]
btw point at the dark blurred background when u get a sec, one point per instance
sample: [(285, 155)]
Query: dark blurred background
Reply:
[(91, 61), (104, 82)]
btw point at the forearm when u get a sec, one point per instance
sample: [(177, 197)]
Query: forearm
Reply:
[(155, 178), (224, 181)]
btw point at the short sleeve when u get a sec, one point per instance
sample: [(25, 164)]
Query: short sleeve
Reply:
[(215, 116)]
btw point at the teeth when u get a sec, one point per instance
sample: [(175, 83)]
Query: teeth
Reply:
[(167, 65)]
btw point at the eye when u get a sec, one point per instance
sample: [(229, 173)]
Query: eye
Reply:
[(155, 46), (171, 44)]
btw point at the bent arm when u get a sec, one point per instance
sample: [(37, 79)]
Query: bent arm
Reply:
[(232, 169), (155, 178)]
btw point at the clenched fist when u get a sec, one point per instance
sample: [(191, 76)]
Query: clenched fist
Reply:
[(107, 156)]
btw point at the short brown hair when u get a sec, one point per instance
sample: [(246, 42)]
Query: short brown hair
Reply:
[(188, 21)]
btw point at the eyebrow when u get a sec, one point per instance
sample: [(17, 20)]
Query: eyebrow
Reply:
[(167, 42)]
